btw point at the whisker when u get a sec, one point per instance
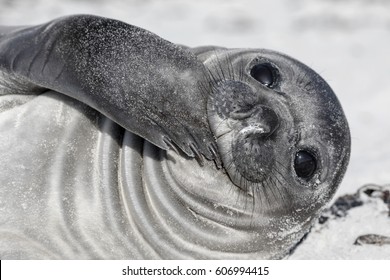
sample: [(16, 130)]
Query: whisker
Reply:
[(227, 153), (204, 88), (281, 164), (281, 174), (275, 177), (230, 67), (220, 68), (223, 134), (275, 184), (253, 204), (213, 81), (221, 122), (241, 70), (272, 188), (216, 66), (259, 193)]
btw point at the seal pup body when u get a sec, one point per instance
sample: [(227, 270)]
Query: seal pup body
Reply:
[(95, 190)]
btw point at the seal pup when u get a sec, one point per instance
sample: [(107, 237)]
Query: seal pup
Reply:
[(95, 190)]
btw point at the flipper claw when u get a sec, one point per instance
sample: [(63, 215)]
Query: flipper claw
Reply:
[(199, 157)]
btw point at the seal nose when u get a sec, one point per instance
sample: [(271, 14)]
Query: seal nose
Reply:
[(263, 122)]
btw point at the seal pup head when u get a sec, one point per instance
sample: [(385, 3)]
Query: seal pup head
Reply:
[(284, 143), (278, 124)]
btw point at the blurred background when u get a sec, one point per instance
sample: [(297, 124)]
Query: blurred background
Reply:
[(346, 41)]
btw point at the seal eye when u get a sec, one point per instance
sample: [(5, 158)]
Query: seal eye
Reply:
[(305, 164), (264, 74)]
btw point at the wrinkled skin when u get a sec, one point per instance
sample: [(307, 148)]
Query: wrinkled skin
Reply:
[(78, 185)]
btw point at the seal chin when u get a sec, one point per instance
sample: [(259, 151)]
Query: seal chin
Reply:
[(253, 158), (247, 156)]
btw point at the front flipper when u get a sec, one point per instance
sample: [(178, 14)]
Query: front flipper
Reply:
[(146, 84)]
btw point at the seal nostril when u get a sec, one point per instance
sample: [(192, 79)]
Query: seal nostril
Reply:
[(267, 119), (273, 121)]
